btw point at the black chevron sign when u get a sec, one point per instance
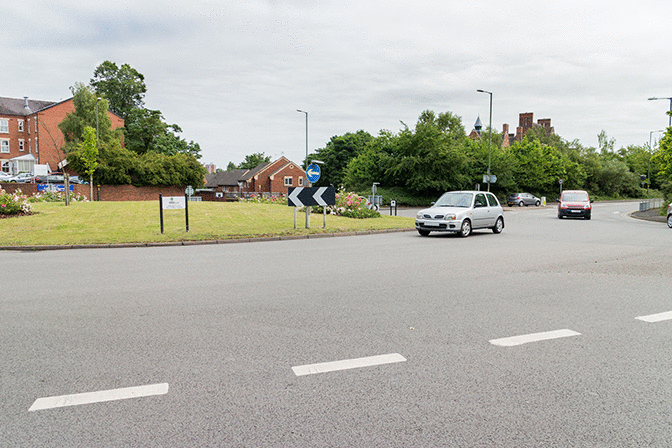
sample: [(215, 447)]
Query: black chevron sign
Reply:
[(309, 196)]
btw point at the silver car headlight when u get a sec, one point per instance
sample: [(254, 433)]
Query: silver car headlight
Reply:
[(419, 215), (450, 217)]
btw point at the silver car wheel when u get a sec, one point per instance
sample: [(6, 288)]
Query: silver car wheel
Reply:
[(465, 228), (499, 225), (669, 221)]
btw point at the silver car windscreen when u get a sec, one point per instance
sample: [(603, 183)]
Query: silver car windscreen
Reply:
[(455, 200)]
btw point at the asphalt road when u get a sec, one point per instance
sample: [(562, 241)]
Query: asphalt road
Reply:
[(213, 340)]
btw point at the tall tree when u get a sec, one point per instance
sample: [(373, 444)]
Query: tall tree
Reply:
[(123, 86), (254, 160), (338, 153)]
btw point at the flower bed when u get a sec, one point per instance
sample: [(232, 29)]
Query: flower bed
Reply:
[(14, 204), (261, 199), (350, 205)]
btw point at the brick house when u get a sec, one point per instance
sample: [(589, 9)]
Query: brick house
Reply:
[(30, 127), (272, 178)]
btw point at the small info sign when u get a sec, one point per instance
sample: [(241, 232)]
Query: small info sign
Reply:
[(174, 203)]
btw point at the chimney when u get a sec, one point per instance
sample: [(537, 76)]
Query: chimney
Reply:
[(26, 107)]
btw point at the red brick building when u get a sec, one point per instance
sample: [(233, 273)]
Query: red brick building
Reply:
[(267, 178), (30, 127), (525, 123)]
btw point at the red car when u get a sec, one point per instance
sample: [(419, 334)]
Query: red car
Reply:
[(574, 203)]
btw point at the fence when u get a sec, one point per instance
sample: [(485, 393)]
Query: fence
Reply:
[(649, 204)]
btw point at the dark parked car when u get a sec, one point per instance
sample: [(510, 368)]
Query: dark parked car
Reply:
[(521, 199)]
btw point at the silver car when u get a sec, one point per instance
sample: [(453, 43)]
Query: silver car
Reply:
[(461, 212), (669, 216)]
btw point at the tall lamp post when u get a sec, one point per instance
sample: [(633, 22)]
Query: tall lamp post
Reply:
[(648, 178), (489, 133), (97, 147), (670, 120), (306, 167)]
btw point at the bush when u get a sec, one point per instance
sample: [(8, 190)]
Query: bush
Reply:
[(260, 199), (349, 205), (14, 204), (56, 196)]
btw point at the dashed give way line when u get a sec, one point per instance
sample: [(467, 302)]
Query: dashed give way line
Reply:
[(98, 397), (656, 317), (534, 337), (311, 369)]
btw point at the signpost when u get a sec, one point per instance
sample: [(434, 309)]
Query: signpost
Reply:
[(309, 196), (174, 203), (313, 173)]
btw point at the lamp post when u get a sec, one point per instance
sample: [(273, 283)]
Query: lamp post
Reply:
[(648, 178), (308, 207), (489, 133), (97, 101), (670, 120), (97, 148)]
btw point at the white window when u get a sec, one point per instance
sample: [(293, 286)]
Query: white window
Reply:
[(29, 125), (36, 150), (300, 181), (35, 124), (4, 145), (4, 125), (30, 148), (20, 125), (288, 181), (22, 146)]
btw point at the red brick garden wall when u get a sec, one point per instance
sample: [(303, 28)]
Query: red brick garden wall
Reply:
[(106, 192)]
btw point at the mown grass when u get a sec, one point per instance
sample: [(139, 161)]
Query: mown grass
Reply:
[(138, 222)]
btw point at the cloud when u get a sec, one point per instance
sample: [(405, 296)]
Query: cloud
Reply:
[(233, 74)]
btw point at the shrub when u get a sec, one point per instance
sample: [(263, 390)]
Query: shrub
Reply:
[(350, 205), (260, 199), (14, 204), (56, 196)]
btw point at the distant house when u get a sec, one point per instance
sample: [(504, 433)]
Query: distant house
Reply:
[(272, 178), (29, 132)]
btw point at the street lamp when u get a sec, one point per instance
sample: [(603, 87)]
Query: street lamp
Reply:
[(97, 101), (670, 120), (648, 179), (307, 208), (489, 133)]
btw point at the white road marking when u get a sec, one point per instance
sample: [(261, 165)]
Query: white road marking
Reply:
[(311, 369), (100, 396), (656, 317), (534, 337)]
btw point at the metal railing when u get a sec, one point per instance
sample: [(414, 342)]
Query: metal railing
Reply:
[(650, 203)]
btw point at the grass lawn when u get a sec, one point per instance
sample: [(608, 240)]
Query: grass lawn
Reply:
[(138, 222)]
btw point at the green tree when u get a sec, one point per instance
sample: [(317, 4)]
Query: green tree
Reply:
[(123, 86), (431, 159), (336, 155), (254, 160)]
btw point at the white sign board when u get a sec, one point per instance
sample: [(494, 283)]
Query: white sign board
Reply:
[(174, 203)]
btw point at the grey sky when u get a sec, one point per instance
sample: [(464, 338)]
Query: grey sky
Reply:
[(233, 73)]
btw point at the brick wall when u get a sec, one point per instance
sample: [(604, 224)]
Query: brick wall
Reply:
[(107, 192)]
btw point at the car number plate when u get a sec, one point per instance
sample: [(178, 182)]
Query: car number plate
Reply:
[(575, 211), (431, 224)]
